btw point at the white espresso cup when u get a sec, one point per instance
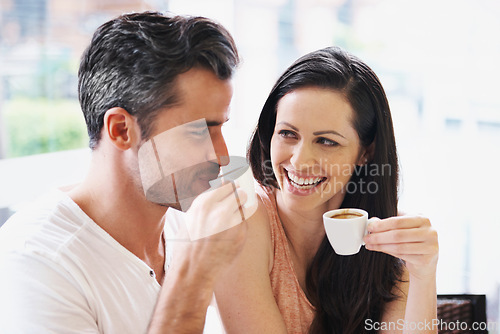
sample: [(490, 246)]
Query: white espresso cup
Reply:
[(345, 229), (239, 173)]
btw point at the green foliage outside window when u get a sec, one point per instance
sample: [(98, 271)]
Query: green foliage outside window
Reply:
[(37, 126)]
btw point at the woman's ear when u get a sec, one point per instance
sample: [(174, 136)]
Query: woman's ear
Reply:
[(120, 128), (366, 154)]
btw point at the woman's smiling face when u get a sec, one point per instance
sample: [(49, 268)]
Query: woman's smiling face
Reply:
[(314, 147)]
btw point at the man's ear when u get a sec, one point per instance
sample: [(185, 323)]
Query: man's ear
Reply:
[(121, 128), (367, 154)]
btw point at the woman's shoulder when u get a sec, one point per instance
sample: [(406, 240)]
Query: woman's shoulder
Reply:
[(259, 235), (259, 222), (267, 198)]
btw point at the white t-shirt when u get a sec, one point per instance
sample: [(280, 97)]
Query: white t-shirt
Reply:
[(61, 273)]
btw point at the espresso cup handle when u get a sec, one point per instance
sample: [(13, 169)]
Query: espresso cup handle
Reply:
[(368, 221)]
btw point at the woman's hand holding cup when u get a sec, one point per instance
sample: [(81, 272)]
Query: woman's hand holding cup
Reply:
[(410, 238)]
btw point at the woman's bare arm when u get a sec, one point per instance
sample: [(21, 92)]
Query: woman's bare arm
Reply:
[(244, 295)]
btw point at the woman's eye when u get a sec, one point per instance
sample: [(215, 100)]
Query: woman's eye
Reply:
[(286, 134), (327, 142)]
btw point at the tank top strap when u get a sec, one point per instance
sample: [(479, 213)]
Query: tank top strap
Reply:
[(266, 194)]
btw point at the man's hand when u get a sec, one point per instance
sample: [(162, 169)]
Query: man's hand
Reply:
[(197, 262), (215, 231)]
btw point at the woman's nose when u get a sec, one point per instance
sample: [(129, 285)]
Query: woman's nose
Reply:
[(302, 157)]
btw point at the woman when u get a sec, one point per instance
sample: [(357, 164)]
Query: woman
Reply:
[(324, 141)]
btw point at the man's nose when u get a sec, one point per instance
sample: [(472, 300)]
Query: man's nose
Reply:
[(221, 151)]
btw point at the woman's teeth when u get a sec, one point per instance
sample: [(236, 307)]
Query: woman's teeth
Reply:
[(304, 183)]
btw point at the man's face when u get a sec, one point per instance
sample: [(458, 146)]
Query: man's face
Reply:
[(186, 147)]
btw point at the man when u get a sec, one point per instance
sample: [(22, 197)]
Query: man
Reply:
[(92, 259)]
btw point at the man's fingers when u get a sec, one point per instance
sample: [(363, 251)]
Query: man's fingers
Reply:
[(216, 195)]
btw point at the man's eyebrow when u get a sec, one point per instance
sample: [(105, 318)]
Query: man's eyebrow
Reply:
[(289, 125), (318, 133)]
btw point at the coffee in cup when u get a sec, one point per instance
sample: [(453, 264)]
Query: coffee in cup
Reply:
[(348, 215), (345, 229)]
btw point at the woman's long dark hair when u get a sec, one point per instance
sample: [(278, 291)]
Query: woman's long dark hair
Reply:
[(345, 290)]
